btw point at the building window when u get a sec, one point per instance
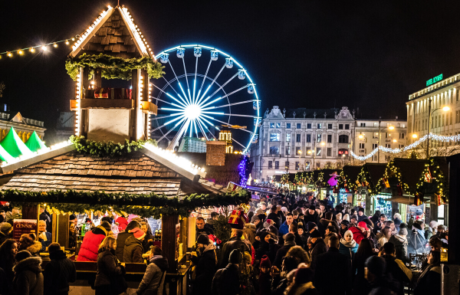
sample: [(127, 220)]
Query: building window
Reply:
[(347, 126), (274, 150), (318, 126), (288, 125), (297, 138), (343, 152), (340, 126), (329, 152), (274, 137), (277, 164), (307, 166), (297, 151), (343, 138), (288, 137), (318, 165), (457, 115), (297, 166), (278, 125), (401, 146), (308, 151), (308, 137), (388, 145), (329, 138), (272, 125), (376, 135), (401, 135), (288, 150), (387, 158), (318, 151), (375, 158), (286, 165), (270, 165), (329, 126), (309, 126), (318, 138), (299, 125), (363, 125), (361, 145)]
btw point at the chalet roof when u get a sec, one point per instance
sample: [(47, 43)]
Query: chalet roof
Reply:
[(376, 171), (113, 33), (411, 170), (352, 172)]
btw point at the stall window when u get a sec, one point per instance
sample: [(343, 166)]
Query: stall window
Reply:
[(272, 125)]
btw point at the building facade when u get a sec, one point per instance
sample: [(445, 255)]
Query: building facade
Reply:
[(307, 139), (24, 126), (445, 113)]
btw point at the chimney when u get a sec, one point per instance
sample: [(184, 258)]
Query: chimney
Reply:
[(215, 153)]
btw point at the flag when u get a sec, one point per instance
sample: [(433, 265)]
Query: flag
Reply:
[(238, 219), (387, 184), (418, 200), (428, 176)]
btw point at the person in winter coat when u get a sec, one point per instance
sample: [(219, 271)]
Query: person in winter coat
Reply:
[(8, 250), (289, 242), (274, 216), (110, 273), (235, 242), (28, 277), (226, 281), (284, 228), (44, 237), (416, 239), (359, 232), (133, 247), (299, 254), (59, 272), (378, 283), (303, 236), (334, 265), (122, 223), (250, 231), (29, 243), (206, 266), (383, 237), (330, 232), (122, 236), (153, 281), (429, 281), (264, 276), (361, 215), (360, 284), (302, 284), (5, 232), (311, 215), (148, 239), (343, 227), (397, 219), (279, 286), (348, 246), (319, 247), (395, 268), (90, 245), (401, 243)]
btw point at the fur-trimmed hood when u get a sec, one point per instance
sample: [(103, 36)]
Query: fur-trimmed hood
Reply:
[(34, 248), (31, 263)]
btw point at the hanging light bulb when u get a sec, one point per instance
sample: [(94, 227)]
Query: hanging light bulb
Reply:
[(20, 52), (32, 50), (67, 42), (44, 48), (55, 45), (9, 54)]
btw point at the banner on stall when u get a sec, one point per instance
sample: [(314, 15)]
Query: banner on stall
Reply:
[(23, 226)]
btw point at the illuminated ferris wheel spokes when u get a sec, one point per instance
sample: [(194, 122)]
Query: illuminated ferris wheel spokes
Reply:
[(194, 112)]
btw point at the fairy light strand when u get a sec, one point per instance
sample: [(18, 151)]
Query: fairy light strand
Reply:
[(435, 137), (33, 49)]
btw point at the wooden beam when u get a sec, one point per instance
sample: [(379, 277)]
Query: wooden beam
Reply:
[(169, 240), (103, 103), (63, 230)]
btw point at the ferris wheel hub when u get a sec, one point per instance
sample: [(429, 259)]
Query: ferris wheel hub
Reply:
[(192, 111)]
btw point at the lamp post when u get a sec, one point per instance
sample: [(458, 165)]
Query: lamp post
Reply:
[(430, 115)]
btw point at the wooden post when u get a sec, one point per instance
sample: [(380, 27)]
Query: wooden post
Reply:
[(63, 230), (98, 78), (54, 232), (169, 240), (31, 212), (184, 234), (84, 113), (134, 94)]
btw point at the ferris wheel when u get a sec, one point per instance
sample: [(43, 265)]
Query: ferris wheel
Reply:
[(204, 89)]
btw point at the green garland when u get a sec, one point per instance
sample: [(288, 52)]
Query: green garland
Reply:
[(438, 185), (140, 204), (114, 67), (107, 148)]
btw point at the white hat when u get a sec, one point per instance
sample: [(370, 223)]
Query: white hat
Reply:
[(284, 209)]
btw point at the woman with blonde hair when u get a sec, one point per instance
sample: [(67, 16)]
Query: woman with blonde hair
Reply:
[(110, 272)]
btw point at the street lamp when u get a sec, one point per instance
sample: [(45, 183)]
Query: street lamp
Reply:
[(414, 136), (430, 115)]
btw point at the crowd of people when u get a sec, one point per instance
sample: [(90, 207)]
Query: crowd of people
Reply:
[(288, 245)]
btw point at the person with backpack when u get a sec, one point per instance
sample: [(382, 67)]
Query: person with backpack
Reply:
[(59, 272), (235, 242), (226, 281), (206, 263), (153, 281)]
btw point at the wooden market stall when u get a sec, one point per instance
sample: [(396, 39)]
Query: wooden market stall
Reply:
[(367, 181)]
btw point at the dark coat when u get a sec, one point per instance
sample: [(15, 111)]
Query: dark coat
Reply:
[(275, 218), (396, 273), (336, 266), (401, 247), (7, 266), (153, 281), (226, 281), (281, 253), (206, 266), (318, 249), (3, 282), (121, 239), (110, 274), (429, 281), (133, 250), (47, 242), (231, 245), (28, 278), (313, 218), (280, 288), (59, 272), (207, 230), (4, 237), (416, 240), (264, 283), (90, 246)]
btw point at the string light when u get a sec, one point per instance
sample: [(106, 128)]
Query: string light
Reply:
[(20, 52), (55, 45), (31, 49), (452, 138)]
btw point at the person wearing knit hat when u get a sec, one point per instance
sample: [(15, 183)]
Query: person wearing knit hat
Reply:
[(227, 278), (28, 242), (205, 262), (203, 239), (400, 241), (416, 238), (5, 231), (133, 246), (360, 232), (264, 276)]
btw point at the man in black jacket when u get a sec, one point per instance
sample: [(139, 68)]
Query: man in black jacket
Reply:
[(202, 228), (206, 265), (289, 242), (333, 265), (395, 268), (235, 242), (226, 281), (59, 272), (311, 215), (121, 238), (319, 247)]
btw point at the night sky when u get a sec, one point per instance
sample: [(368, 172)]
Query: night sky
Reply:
[(314, 54)]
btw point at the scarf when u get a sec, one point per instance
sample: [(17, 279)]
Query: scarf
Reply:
[(350, 244)]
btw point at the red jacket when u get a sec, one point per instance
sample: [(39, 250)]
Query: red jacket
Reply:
[(90, 245), (358, 235)]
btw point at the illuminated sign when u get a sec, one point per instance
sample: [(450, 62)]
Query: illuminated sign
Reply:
[(434, 80)]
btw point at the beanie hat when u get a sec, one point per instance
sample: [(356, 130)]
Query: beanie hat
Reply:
[(310, 225), (303, 275), (235, 256), (23, 254), (362, 224), (417, 225), (361, 209), (203, 239), (312, 207), (289, 237), (353, 217), (265, 262), (138, 233), (315, 234), (27, 240), (433, 223), (5, 227), (345, 222)]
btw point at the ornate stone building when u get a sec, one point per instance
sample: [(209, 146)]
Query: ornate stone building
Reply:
[(23, 126)]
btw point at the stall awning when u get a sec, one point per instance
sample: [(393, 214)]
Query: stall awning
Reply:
[(408, 200)]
